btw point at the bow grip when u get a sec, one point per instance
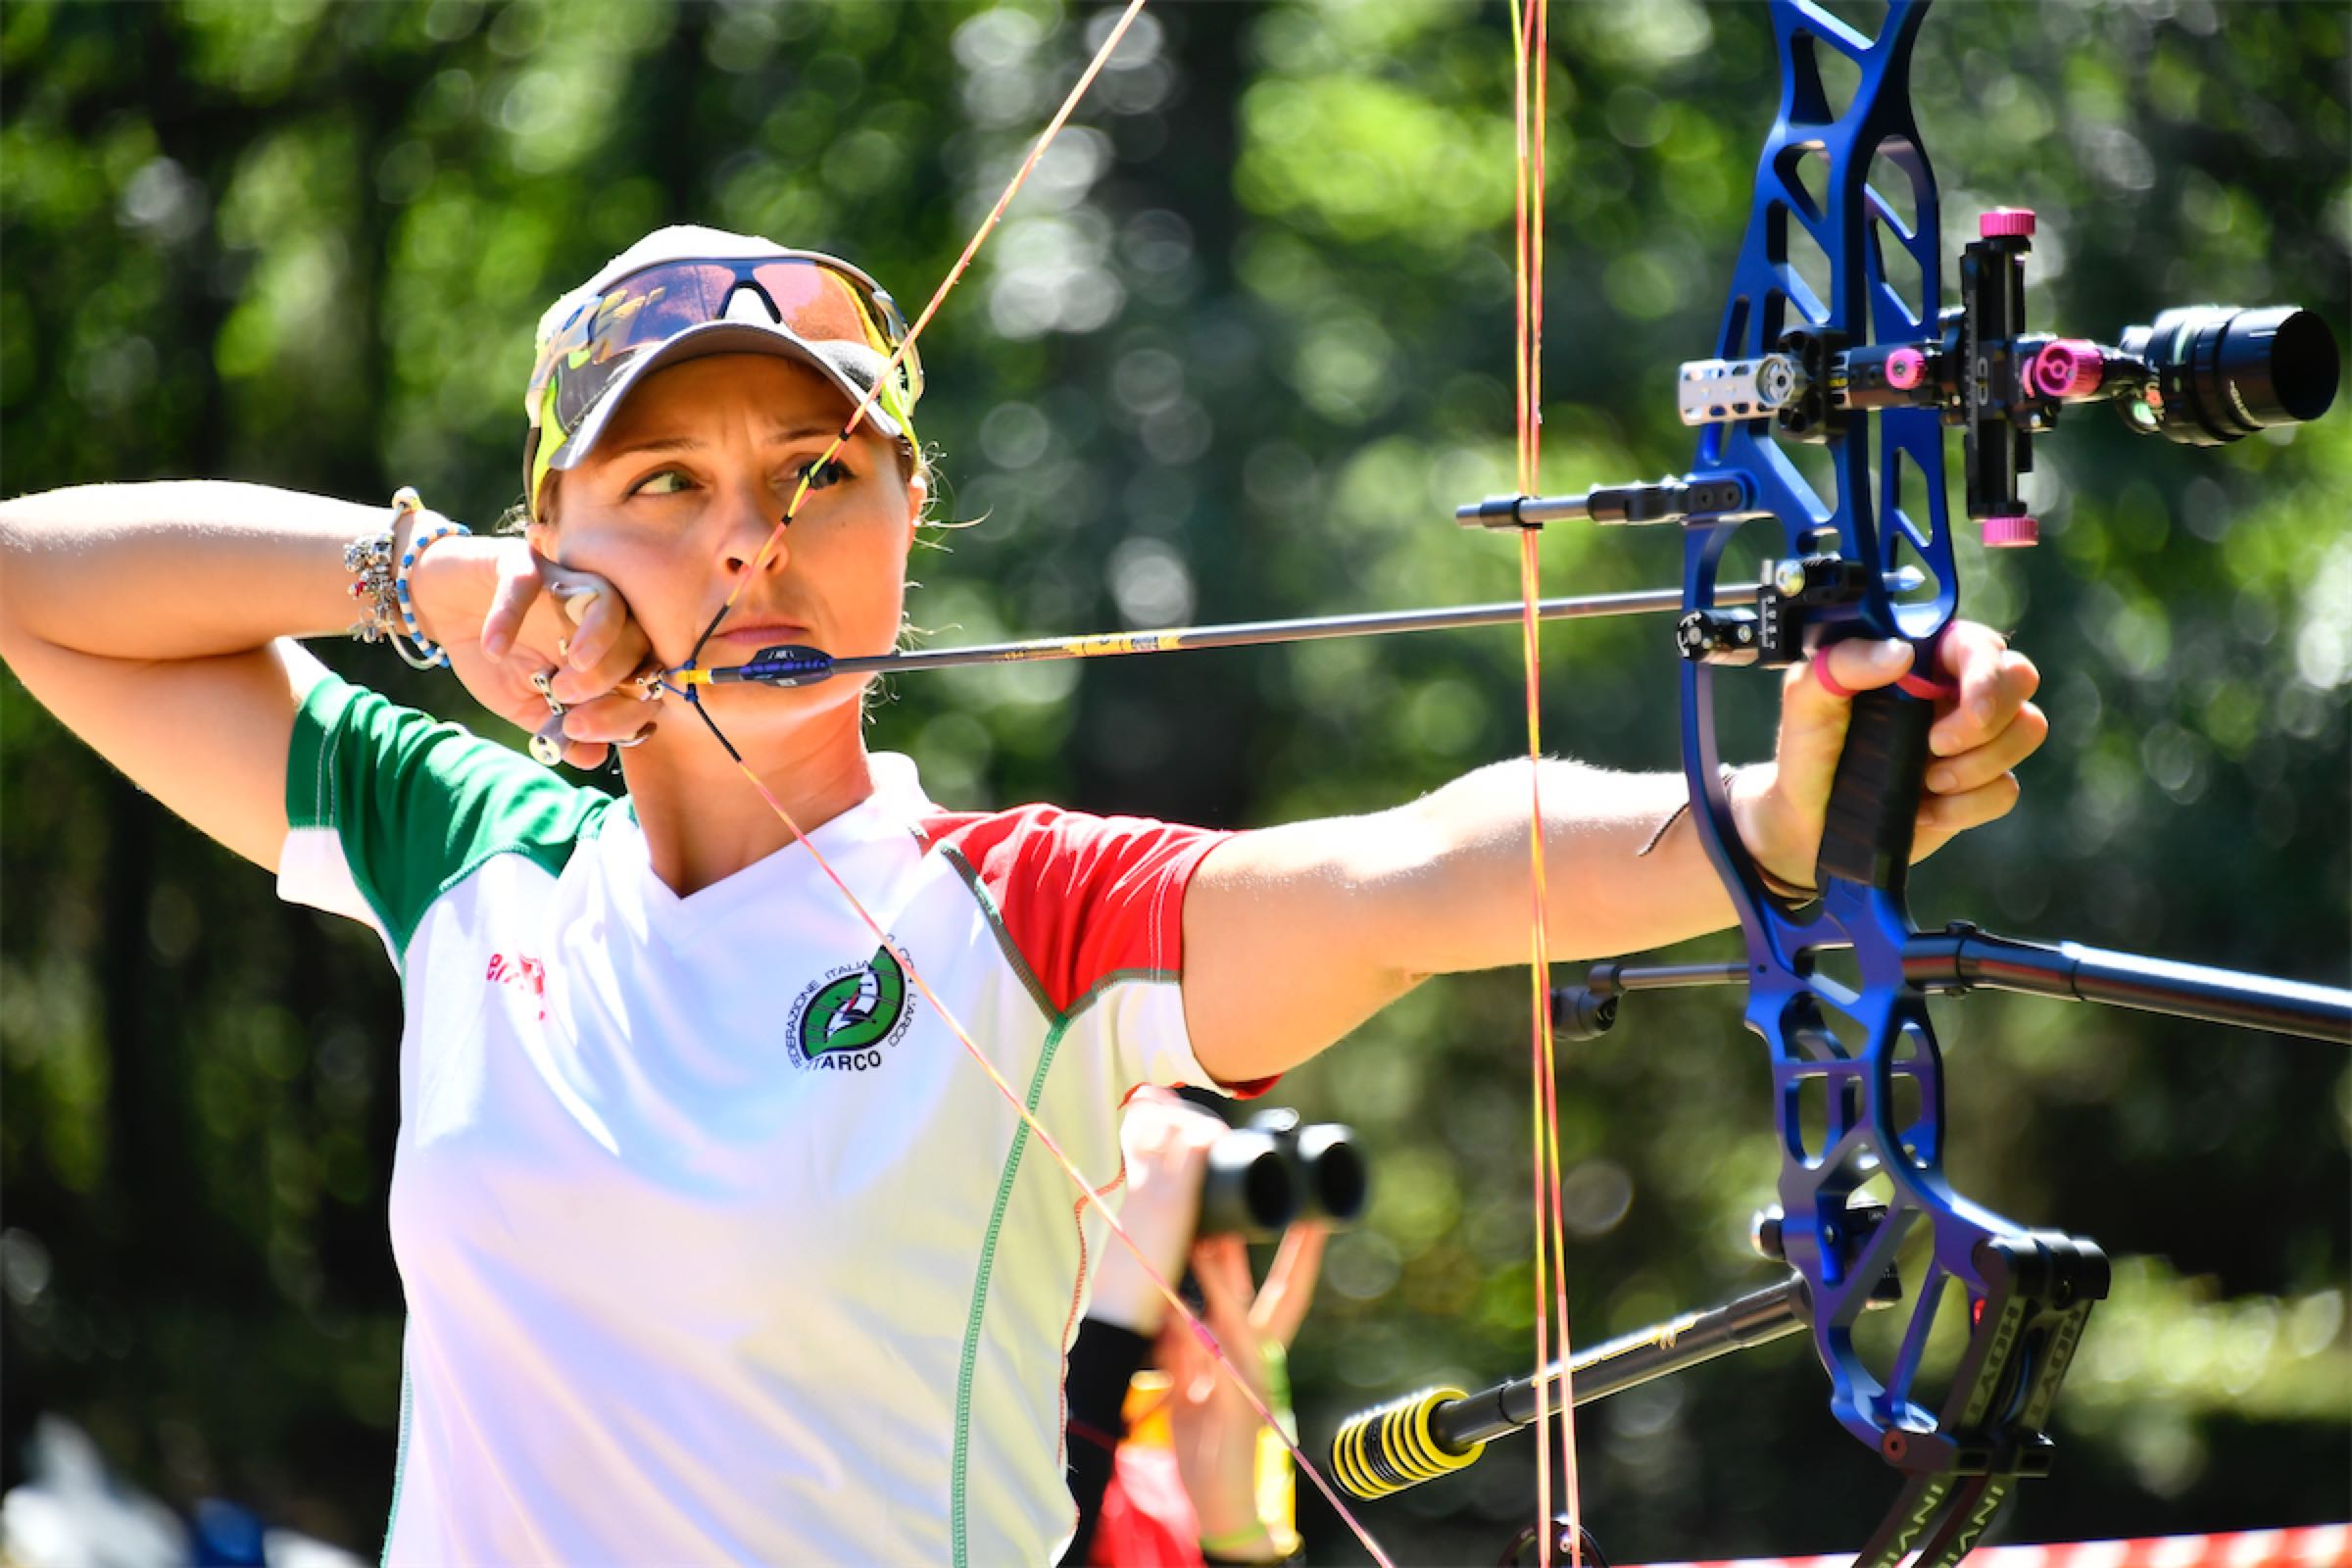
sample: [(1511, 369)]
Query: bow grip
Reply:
[(1874, 798)]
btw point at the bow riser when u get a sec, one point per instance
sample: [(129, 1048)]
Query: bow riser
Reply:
[(1858, 1050)]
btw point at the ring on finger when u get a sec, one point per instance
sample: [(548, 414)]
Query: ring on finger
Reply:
[(546, 744), (648, 681)]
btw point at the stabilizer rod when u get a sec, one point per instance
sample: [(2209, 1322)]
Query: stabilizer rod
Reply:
[(1437, 1431), (1961, 957)]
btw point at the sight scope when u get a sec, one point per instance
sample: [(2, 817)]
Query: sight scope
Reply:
[(2217, 374)]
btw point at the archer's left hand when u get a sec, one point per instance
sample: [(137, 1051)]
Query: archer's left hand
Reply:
[(1978, 738)]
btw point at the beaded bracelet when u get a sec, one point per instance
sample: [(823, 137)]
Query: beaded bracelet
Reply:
[(381, 587), (368, 560), (405, 503)]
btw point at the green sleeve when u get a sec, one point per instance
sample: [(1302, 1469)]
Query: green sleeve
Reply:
[(387, 808)]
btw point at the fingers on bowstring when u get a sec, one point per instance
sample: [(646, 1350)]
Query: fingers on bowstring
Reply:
[(550, 744), (614, 719), (605, 648), (518, 589), (606, 630)]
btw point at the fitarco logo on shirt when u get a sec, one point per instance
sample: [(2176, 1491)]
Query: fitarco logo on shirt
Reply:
[(848, 1016)]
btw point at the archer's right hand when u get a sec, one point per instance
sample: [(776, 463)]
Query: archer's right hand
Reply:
[(505, 613)]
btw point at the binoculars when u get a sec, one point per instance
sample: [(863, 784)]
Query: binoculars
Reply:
[(1276, 1170)]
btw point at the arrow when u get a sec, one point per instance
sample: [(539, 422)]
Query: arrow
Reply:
[(792, 665)]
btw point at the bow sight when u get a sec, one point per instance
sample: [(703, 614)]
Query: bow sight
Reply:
[(1876, 376), (2200, 375)]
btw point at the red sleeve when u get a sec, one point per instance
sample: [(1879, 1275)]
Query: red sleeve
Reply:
[(1082, 897)]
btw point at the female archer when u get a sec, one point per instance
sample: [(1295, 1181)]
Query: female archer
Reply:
[(717, 1243)]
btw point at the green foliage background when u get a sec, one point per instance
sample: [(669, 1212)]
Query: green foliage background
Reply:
[(1240, 349)]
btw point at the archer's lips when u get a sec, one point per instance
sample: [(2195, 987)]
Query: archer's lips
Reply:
[(755, 635)]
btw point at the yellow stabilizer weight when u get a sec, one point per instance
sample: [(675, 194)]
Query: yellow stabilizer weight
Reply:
[(1390, 1447)]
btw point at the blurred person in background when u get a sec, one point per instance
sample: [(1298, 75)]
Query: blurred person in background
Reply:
[(714, 1245), (1173, 1467)]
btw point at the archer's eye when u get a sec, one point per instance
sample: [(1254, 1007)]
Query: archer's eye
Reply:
[(824, 475), (666, 483)]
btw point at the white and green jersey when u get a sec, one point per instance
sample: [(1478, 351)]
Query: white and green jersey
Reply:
[(717, 1246)]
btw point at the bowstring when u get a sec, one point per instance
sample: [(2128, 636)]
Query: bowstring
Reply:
[(1088, 1194), (1531, 54), (898, 356)]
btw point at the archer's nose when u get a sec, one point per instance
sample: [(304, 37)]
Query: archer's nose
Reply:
[(752, 534)]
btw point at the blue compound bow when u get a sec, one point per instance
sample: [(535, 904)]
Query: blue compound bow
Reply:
[(1857, 1074)]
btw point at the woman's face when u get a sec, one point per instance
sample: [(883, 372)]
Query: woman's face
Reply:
[(687, 484)]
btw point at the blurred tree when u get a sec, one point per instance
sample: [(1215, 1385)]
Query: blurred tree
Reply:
[(1238, 352)]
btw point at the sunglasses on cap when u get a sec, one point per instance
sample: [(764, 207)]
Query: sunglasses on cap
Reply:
[(824, 302)]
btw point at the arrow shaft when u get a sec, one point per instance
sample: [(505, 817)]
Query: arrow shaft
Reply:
[(1256, 633), (1244, 634)]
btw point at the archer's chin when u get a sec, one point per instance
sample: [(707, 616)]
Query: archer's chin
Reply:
[(746, 713)]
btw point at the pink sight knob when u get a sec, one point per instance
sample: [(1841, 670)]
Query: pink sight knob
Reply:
[(2070, 367), (1905, 367), (2006, 220), (2011, 533)]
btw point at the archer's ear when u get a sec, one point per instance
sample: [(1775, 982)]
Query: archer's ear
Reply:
[(539, 532), (918, 493)]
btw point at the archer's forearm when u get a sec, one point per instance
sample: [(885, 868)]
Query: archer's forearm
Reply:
[(176, 570), (1604, 895)]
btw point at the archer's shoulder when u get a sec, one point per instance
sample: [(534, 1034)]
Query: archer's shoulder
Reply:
[(1039, 847), (1083, 899), (1073, 870)]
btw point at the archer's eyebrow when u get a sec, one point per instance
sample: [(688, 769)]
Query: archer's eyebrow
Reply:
[(656, 444), (777, 434), (803, 432)]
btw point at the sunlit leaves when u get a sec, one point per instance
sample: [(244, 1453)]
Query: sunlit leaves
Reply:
[(1239, 350), (1364, 161)]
